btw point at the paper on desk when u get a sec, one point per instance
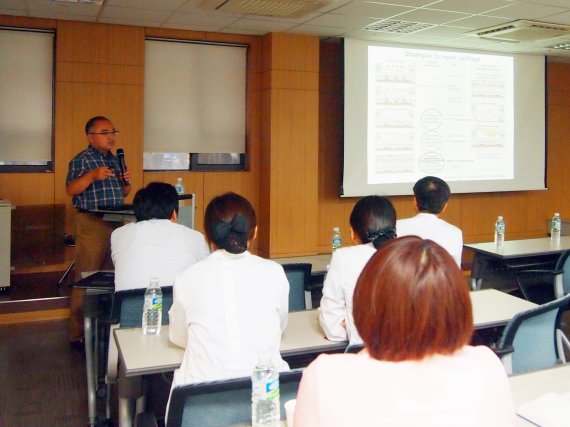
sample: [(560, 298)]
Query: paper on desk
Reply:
[(549, 410)]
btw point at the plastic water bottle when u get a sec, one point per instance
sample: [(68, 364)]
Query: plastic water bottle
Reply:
[(152, 309), (555, 227), (336, 239), (179, 186), (500, 231), (265, 408)]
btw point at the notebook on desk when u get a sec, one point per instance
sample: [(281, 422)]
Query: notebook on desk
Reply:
[(100, 280)]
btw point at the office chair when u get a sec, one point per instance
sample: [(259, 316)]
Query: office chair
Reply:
[(299, 277), (542, 285), (353, 348), (534, 339), (219, 403)]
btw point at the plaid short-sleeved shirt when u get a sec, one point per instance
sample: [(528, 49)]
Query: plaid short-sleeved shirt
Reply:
[(105, 192)]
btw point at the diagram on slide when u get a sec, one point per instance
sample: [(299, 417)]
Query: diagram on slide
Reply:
[(439, 113)]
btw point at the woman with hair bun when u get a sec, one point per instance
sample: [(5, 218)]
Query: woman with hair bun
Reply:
[(372, 223), (417, 369), (230, 308)]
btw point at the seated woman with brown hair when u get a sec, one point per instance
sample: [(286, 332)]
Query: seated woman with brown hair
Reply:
[(413, 312)]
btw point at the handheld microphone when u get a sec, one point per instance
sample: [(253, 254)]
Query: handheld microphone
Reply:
[(122, 165)]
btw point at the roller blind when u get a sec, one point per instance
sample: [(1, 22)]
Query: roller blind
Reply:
[(195, 97), (26, 100)]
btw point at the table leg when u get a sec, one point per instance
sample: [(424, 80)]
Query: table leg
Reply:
[(130, 389), (90, 369)]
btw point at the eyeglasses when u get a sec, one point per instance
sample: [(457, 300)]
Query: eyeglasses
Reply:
[(108, 133)]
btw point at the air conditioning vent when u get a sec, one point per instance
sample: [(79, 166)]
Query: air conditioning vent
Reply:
[(522, 31), (398, 27), (280, 8)]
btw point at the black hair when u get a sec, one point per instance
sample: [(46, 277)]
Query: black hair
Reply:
[(432, 194), (373, 219), (91, 122), (156, 201), (230, 222)]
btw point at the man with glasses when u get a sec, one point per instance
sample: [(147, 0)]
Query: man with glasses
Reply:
[(95, 180)]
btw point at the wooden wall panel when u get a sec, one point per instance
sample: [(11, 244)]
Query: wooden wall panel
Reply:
[(100, 72), (27, 188), (99, 43), (289, 155)]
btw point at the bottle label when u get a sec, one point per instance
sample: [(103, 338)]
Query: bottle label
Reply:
[(336, 242), (272, 389), (157, 302)]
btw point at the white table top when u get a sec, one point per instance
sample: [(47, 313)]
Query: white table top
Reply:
[(495, 308), (521, 248), (527, 387), (320, 263), (147, 354)]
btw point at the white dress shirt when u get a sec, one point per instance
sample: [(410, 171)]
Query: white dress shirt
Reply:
[(429, 226), (336, 304), (154, 248), (228, 310)]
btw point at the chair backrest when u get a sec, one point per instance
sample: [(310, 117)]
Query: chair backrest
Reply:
[(354, 348), (299, 276), (221, 403), (128, 306), (563, 264), (532, 334)]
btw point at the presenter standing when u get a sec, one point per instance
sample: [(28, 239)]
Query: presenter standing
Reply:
[(95, 179)]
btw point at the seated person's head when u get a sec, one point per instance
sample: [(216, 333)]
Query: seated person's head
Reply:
[(373, 219), (157, 200), (230, 223), (432, 194), (411, 301)]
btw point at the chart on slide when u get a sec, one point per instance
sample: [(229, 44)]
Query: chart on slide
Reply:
[(439, 113)]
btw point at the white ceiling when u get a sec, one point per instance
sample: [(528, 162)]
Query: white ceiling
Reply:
[(452, 19)]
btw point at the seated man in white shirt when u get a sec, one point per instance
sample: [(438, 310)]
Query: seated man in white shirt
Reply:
[(155, 245), (431, 195)]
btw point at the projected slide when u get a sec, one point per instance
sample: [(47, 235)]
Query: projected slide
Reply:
[(439, 113)]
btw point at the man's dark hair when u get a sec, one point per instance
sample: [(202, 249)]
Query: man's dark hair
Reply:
[(92, 122), (432, 193), (156, 201)]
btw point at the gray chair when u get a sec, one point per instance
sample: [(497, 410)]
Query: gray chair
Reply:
[(542, 285), (299, 276), (218, 403), (532, 339), (354, 348), (126, 312)]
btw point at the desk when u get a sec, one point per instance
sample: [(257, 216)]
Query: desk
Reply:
[(149, 354), (513, 254), (530, 386)]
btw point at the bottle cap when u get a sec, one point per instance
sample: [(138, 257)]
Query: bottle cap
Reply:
[(556, 214), (499, 217), (336, 229)]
